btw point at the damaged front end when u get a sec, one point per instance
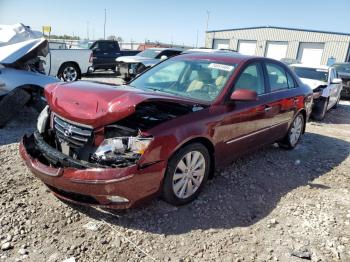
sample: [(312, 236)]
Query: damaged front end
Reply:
[(318, 91), (60, 142)]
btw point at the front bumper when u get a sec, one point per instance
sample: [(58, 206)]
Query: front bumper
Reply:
[(94, 186)]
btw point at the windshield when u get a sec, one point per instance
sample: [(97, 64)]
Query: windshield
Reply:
[(150, 53), (198, 79), (342, 68), (312, 73)]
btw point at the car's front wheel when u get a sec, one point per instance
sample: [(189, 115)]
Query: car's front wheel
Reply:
[(187, 172)]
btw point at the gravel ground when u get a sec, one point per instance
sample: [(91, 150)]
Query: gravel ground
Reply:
[(269, 205)]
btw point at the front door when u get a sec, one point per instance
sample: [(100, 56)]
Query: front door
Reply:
[(244, 122)]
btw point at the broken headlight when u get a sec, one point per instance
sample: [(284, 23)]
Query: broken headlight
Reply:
[(119, 149), (42, 120)]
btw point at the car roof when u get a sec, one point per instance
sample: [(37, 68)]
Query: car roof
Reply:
[(311, 66), (164, 48), (225, 57)]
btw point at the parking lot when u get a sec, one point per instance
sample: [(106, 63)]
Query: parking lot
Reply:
[(273, 204)]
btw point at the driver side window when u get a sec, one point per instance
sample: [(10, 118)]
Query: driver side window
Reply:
[(252, 78)]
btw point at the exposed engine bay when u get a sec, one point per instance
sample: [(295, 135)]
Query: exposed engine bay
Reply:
[(118, 144)]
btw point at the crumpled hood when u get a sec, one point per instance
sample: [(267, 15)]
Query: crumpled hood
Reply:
[(19, 42), (313, 83), (97, 104)]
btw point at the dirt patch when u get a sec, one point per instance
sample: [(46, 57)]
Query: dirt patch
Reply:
[(273, 204)]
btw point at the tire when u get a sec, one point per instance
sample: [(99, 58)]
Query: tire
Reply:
[(69, 72), (294, 132), (336, 104), (320, 109), (11, 104), (190, 179)]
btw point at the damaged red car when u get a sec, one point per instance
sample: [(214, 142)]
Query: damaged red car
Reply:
[(164, 132)]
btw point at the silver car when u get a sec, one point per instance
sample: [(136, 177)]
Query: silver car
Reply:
[(130, 66)]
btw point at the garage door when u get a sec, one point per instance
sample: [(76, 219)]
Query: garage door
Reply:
[(276, 50), (221, 44), (310, 53), (246, 47)]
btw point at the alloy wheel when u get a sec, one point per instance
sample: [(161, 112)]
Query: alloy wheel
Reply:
[(70, 74), (189, 174), (296, 130)]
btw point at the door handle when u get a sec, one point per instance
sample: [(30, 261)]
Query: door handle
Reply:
[(267, 108)]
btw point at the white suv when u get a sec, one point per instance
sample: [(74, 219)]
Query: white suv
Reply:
[(325, 84)]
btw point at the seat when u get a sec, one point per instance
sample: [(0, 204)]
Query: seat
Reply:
[(204, 78)]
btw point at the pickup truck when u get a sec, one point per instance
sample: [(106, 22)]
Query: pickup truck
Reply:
[(105, 53), (67, 64)]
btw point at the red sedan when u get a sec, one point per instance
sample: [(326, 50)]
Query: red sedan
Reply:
[(166, 131)]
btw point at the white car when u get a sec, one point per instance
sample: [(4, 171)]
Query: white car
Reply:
[(325, 84), (22, 76)]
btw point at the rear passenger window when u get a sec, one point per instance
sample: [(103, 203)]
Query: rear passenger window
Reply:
[(252, 78), (277, 77)]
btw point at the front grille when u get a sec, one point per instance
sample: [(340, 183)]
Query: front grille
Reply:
[(76, 136), (85, 199)]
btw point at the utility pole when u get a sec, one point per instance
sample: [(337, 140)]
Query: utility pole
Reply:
[(208, 14), (197, 40), (104, 26), (87, 29)]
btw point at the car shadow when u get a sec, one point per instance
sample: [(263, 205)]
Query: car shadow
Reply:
[(23, 123), (239, 195)]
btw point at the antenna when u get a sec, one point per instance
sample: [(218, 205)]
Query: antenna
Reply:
[(104, 25)]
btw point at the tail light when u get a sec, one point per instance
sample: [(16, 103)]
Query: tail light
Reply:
[(91, 58)]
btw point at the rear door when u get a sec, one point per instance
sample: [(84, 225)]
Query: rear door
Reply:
[(282, 99)]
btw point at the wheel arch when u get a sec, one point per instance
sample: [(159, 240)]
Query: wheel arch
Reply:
[(210, 147), (303, 112)]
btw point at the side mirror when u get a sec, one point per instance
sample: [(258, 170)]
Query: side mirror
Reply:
[(244, 95), (163, 57), (336, 81)]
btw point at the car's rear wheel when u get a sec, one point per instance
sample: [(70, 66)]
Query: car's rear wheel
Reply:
[(320, 109), (294, 133), (69, 72), (187, 172)]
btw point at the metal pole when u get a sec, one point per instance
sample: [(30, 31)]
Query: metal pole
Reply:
[(208, 14), (197, 40), (104, 27), (87, 29)]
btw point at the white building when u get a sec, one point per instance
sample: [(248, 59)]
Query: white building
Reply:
[(306, 46)]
